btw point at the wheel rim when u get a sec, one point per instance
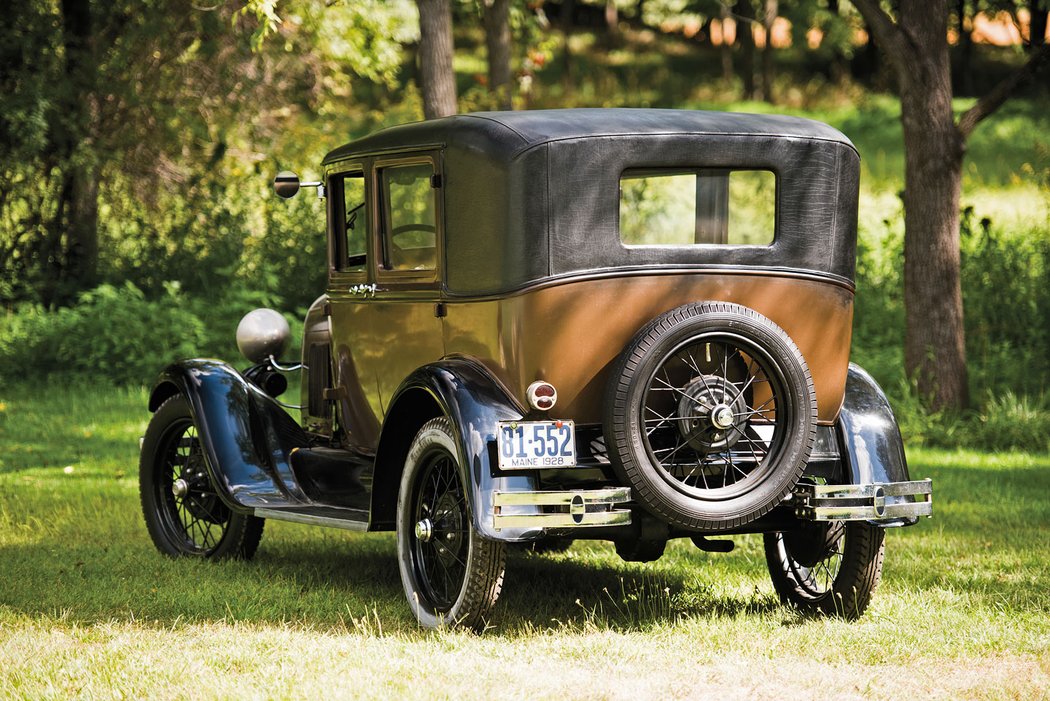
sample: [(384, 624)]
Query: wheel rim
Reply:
[(441, 540), (191, 513), (814, 581), (714, 416)]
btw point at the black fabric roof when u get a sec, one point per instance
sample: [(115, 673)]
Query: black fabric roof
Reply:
[(513, 132), (534, 195)]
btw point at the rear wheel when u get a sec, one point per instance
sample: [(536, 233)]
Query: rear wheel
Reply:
[(451, 575), (830, 568), (184, 514)]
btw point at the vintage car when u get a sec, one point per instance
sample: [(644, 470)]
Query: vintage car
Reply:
[(614, 324)]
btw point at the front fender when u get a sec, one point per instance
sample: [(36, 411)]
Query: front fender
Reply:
[(474, 401), (246, 435)]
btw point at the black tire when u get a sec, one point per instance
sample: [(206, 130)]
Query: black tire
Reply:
[(827, 568), (184, 515), (451, 575), (710, 416)]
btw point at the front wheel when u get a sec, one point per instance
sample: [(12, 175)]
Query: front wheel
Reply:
[(831, 568), (184, 514), (451, 575)]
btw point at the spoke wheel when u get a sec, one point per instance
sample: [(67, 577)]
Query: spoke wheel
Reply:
[(831, 568), (451, 575), (710, 416), (183, 512)]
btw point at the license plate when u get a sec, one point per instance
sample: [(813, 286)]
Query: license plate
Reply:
[(526, 445)]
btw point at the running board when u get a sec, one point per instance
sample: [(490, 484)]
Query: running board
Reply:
[(331, 517)]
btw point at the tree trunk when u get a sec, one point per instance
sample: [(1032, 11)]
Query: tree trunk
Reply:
[(745, 15), (839, 68), (866, 61), (565, 19), (934, 145), (934, 338), (934, 341), (612, 22), (769, 16), (437, 79), (497, 43), (74, 267), (1037, 28), (726, 49), (965, 50)]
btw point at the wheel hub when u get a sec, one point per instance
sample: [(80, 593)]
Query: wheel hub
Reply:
[(180, 488), (424, 530), (710, 408)]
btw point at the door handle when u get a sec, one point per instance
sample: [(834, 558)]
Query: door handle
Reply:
[(365, 290)]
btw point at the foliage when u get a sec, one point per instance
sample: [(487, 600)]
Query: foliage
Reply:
[(112, 332), (119, 335)]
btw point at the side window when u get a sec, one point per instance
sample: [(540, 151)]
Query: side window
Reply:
[(697, 206), (354, 221), (409, 217)]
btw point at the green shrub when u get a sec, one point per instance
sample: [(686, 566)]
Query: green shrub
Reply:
[(112, 332), (119, 335)]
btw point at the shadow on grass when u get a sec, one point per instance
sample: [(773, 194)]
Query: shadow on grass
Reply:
[(78, 550), (339, 582)]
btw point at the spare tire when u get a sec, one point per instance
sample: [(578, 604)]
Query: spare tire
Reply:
[(710, 416)]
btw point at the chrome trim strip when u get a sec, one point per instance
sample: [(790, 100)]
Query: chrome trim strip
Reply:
[(615, 495), (310, 519), (580, 508), (598, 518), (888, 501)]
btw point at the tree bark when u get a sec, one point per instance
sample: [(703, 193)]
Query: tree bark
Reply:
[(917, 48), (612, 22), (437, 79), (496, 17), (965, 50), (769, 16), (74, 266), (745, 15), (934, 341), (1037, 28), (726, 49)]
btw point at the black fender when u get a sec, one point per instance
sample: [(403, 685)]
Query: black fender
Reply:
[(869, 435), (246, 435), (474, 401)]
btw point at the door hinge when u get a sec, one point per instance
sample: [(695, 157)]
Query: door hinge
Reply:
[(334, 394), (440, 310), (435, 180)]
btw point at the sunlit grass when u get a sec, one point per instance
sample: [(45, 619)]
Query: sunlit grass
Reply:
[(87, 607)]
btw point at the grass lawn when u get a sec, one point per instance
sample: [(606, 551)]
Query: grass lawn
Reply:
[(89, 609)]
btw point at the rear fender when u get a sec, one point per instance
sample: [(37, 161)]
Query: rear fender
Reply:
[(474, 401), (870, 438), (246, 435)]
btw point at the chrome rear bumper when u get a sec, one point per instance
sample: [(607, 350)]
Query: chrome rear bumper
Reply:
[(880, 503), (578, 508)]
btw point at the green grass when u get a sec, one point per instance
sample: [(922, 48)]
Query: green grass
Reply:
[(89, 609)]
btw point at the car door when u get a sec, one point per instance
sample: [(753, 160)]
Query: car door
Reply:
[(354, 386), (403, 312)]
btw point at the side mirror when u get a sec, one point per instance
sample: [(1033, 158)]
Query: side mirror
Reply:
[(286, 184)]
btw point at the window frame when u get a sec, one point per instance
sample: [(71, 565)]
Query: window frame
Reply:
[(426, 278), (641, 172), (338, 256)]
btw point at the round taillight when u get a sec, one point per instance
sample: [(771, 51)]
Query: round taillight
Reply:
[(541, 395)]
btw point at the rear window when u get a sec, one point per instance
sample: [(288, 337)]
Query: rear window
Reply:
[(700, 206)]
